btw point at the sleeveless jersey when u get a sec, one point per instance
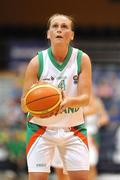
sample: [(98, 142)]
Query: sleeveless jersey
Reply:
[(65, 77)]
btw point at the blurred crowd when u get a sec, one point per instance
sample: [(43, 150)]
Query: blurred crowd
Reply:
[(12, 126)]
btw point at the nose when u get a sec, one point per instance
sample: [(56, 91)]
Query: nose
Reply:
[(59, 29)]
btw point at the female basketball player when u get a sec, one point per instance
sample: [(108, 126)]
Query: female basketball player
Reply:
[(69, 69)]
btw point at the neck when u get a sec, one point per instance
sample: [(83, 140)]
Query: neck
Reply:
[(59, 53)]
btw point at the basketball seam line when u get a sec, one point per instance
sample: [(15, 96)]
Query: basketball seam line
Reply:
[(46, 110), (41, 98)]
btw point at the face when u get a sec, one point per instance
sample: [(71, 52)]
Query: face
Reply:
[(60, 31)]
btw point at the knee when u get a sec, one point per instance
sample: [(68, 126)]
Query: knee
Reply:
[(37, 176), (79, 175)]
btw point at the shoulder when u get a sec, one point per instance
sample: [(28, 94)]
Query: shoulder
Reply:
[(33, 65), (85, 60), (34, 61), (85, 56)]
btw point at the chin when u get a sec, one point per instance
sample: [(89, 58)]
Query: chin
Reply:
[(59, 43)]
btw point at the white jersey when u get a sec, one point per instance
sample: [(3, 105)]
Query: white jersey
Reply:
[(65, 77)]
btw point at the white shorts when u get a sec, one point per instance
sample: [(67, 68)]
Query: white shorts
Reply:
[(57, 160), (71, 143)]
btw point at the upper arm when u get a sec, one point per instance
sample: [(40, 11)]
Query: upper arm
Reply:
[(85, 76), (31, 74)]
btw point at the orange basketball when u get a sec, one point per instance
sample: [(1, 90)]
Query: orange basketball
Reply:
[(43, 100)]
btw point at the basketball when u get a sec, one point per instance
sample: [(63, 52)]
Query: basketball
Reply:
[(43, 100)]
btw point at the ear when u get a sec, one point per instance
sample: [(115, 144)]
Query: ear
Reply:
[(48, 34), (72, 36)]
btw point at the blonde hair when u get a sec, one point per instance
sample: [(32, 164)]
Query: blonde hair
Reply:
[(57, 14)]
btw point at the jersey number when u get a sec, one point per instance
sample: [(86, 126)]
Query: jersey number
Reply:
[(61, 85)]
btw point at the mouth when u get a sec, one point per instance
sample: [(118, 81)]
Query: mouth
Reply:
[(59, 37)]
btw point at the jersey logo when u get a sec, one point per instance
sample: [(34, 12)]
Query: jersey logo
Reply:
[(49, 79), (75, 79)]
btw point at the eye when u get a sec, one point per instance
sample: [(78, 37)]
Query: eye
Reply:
[(64, 26), (54, 26)]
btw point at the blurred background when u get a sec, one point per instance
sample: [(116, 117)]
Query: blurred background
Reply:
[(22, 34)]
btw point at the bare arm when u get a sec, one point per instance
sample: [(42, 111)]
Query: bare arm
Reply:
[(30, 79), (85, 81), (84, 86)]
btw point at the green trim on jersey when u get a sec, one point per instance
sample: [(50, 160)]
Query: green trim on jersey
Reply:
[(79, 55), (60, 67), (40, 59)]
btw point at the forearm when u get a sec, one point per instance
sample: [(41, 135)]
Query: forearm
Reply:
[(79, 101)]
